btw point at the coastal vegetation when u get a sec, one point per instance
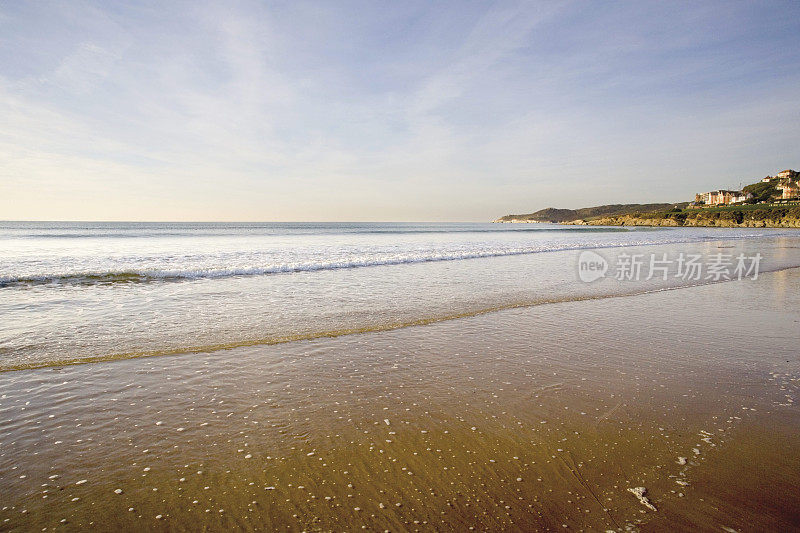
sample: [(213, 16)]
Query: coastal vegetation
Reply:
[(557, 216), (762, 192)]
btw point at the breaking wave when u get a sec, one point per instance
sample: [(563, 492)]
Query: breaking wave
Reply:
[(143, 275)]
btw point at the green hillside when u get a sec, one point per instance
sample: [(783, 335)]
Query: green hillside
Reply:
[(567, 215)]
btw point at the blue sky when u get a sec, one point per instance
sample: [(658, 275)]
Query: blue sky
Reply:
[(387, 111)]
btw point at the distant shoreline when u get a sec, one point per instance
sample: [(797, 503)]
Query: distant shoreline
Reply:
[(689, 223), (743, 216)]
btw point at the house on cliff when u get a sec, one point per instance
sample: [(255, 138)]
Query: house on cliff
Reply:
[(721, 197), (789, 189), (782, 175)]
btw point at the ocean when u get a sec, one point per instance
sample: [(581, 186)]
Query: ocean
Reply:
[(91, 291)]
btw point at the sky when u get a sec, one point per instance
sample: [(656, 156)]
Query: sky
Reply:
[(406, 111)]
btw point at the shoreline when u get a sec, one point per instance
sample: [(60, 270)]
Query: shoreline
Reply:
[(272, 341), (688, 223), (649, 222), (514, 419), (754, 216)]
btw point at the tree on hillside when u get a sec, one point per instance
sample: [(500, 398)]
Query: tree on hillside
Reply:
[(762, 192)]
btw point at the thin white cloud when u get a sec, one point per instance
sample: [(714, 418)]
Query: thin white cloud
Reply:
[(304, 111)]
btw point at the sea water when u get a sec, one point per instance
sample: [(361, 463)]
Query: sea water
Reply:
[(80, 291)]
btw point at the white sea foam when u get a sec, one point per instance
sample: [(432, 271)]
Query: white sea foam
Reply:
[(149, 262)]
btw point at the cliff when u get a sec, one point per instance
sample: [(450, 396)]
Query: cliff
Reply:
[(742, 217)]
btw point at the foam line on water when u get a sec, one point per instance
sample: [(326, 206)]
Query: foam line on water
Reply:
[(282, 339), (145, 276)]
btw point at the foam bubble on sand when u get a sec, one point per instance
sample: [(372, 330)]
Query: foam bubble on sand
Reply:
[(640, 492)]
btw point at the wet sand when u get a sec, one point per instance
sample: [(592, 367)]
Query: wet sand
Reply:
[(539, 418)]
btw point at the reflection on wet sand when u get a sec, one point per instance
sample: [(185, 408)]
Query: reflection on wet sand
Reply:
[(541, 418)]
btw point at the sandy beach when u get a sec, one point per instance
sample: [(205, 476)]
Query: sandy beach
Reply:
[(249, 279), (547, 417)]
